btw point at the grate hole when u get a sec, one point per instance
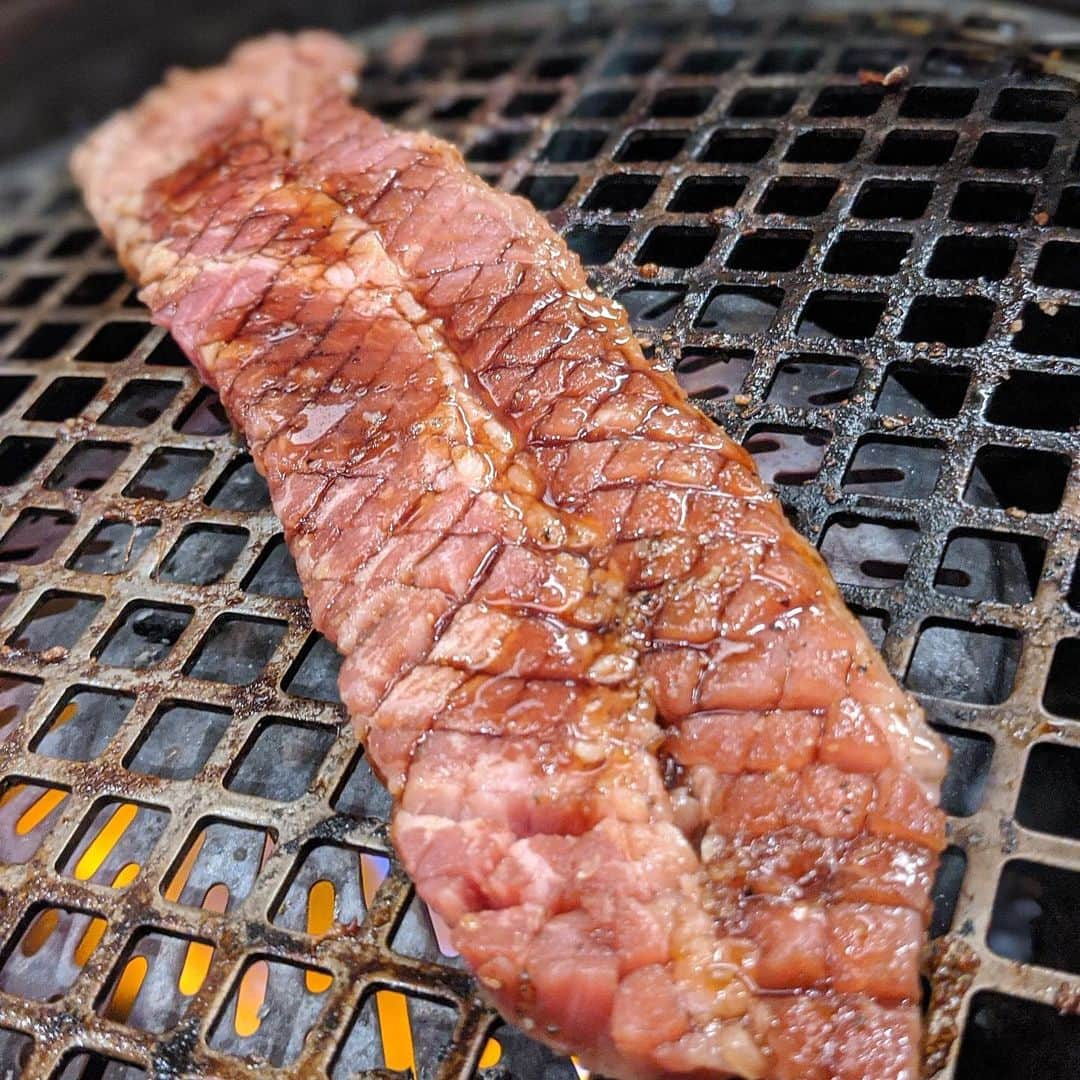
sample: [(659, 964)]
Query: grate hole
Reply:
[(360, 795), (239, 487), (11, 389), (74, 242), (742, 146), (392, 108), (623, 192), (218, 853), (1012, 150), (65, 397), (460, 107), (596, 244), (178, 740), (236, 649), (841, 315), (787, 456), (1059, 265), (762, 101), (368, 1048), (799, 196), (967, 257), (142, 992), (938, 102), (953, 320), (56, 621), (89, 1065), (1062, 693), (19, 456), (651, 307), (546, 192), (339, 873), (497, 146), (274, 573), (681, 101), (864, 551), (959, 62), (144, 634), (486, 68), (740, 309), (825, 146), (572, 144), (703, 194), (869, 253), (874, 621), (1013, 1039), (1050, 791), (47, 340), (869, 58), (651, 146), (602, 104), (35, 536), (168, 475), (907, 146), (1035, 919), (897, 468), (113, 842), (270, 988), (558, 67), (709, 62), (970, 755), (315, 673), (813, 382), (1041, 106), (27, 816), (1051, 329), (166, 353), (15, 1050), (907, 199), (964, 662), (999, 567), (848, 101), (113, 546), (675, 245), (1035, 399), (946, 889), (713, 374), (923, 391), (1009, 477), (17, 243), (29, 290), (113, 342), (94, 289), (82, 724), (770, 250), (49, 949), (794, 60), (280, 760), (203, 554), (978, 200), (16, 695), (1074, 588), (1068, 211), (88, 466), (631, 63), (140, 403)]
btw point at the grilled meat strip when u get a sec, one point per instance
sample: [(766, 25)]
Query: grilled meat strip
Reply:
[(646, 765)]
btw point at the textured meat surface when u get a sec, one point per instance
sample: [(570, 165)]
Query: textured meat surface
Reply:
[(647, 767)]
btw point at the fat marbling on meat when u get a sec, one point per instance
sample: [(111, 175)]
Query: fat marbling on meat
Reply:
[(648, 768)]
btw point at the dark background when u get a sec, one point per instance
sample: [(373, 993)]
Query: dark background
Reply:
[(67, 63)]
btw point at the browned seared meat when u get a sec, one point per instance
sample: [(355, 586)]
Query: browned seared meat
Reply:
[(647, 767)]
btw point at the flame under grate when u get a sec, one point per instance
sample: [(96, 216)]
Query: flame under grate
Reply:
[(875, 288)]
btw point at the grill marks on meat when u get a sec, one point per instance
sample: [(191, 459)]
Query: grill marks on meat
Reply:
[(646, 765)]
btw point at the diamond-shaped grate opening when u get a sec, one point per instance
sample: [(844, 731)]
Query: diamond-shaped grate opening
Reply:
[(872, 287)]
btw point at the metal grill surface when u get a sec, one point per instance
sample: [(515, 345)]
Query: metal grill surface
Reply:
[(875, 287)]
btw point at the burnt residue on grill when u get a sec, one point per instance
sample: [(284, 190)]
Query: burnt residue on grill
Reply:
[(869, 282)]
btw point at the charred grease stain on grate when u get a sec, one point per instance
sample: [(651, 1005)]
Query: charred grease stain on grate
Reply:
[(874, 288)]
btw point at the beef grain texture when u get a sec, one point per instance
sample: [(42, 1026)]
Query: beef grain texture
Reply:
[(646, 765)]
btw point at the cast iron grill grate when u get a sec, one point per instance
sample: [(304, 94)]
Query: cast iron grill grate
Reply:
[(874, 287)]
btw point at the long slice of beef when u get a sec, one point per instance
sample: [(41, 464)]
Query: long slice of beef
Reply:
[(646, 765)]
